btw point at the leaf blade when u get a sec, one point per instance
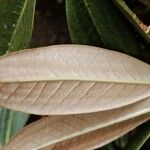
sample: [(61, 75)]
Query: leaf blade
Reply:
[(73, 60), (66, 91), (15, 16), (77, 128)]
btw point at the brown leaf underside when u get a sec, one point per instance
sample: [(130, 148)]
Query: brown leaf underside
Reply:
[(71, 79), (47, 134)]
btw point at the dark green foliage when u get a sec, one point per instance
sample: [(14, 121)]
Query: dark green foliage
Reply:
[(80, 24), (16, 19), (142, 135), (99, 23)]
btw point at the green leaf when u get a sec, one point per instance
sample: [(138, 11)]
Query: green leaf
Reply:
[(10, 123), (98, 22), (15, 33), (16, 24), (122, 141), (140, 137), (3, 125)]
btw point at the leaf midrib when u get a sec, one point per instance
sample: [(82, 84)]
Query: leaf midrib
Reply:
[(142, 82)]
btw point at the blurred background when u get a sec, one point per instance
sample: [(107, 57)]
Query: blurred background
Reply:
[(50, 26)]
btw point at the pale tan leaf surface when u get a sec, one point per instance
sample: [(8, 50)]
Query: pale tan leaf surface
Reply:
[(73, 62), (98, 138), (68, 79), (54, 129)]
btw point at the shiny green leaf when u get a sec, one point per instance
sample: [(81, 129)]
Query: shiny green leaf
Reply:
[(98, 22)]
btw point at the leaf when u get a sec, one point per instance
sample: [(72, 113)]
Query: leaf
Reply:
[(139, 26), (18, 121), (4, 114), (15, 28), (70, 79), (99, 23), (140, 137), (122, 141), (86, 131), (16, 24), (11, 122), (97, 138)]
